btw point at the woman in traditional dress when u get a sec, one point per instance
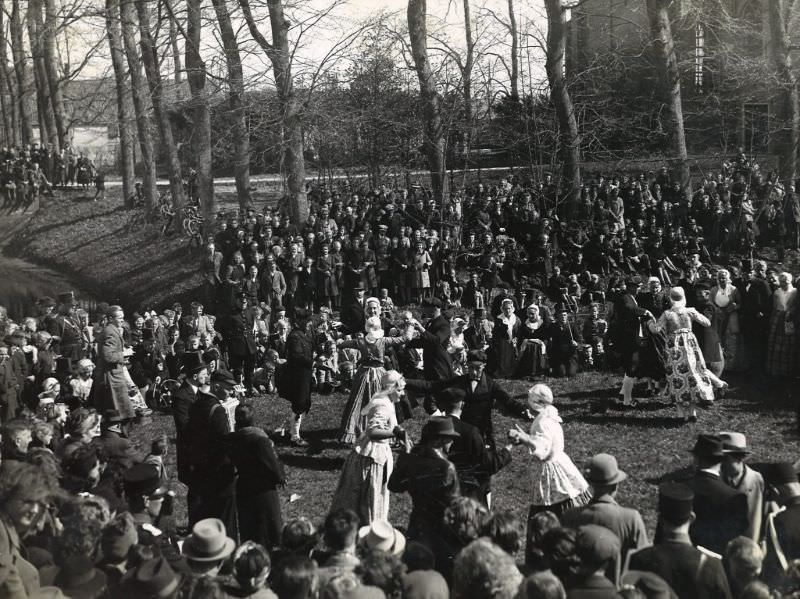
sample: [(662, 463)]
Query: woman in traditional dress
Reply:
[(457, 346), (366, 383), (782, 341), (532, 350), (503, 349), (557, 483), (421, 263), (365, 474), (689, 381), (727, 298)]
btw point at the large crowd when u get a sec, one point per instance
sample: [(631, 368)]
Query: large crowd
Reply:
[(414, 310)]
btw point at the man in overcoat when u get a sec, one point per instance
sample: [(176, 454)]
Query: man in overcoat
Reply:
[(628, 320), (112, 381), (238, 333), (294, 380), (66, 327), (196, 376)]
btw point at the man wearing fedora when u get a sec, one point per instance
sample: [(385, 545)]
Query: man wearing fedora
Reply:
[(782, 534), (196, 376), (692, 573), (743, 478), (66, 328), (720, 511), (431, 480), (604, 475), (207, 548), (212, 476)]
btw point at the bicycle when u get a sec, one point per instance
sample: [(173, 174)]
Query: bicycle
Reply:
[(193, 225)]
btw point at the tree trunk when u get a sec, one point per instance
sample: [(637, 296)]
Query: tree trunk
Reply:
[(434, 143), (467, 71), (514, 34), (124, 118), (570, 140), (7, 98), (173, 43), (280, 56), (240, 134), (785, 139), (669, 76), (47, 126), (51, 70), (127, 15), (23, 75), (150, 61), (196, 74)]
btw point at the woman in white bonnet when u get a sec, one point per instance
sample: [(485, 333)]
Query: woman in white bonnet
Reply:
[(558, 485)]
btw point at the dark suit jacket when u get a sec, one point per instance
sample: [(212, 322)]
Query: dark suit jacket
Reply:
[(474, 462), (595, 586), (679, 564), (437, 364), (211, 470), (787, 527), (294, 382), (237, 332), (182, 400), (257, 464), (721, 512), (478, 405), (627, 315)]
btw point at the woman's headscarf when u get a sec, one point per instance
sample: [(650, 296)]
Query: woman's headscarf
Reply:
[(677, 297), (374, 329)]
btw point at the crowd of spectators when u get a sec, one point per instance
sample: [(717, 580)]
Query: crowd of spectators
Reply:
[(400, 301)]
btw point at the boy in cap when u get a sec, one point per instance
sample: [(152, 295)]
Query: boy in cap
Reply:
[(691, 572)]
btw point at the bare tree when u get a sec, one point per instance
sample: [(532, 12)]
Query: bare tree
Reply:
[(22, 73), (35, 22), (240, 133), (280, 55), (196, 75), (570, 139), (52, 71), (124, 116), (513, 33), (153, 75), (8, 93), (173, 43), (669, 76), (787, 105), (434, 143), (128, 20)]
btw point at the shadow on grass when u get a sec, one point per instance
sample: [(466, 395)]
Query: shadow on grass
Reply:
[(632, 420), (311, 462)]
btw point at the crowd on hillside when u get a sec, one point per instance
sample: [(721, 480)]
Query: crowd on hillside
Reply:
[(415, 311)]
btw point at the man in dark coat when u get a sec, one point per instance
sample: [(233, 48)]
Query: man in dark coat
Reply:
[(260, 473), (783, 527), (238, 334), (482, 394), (294, 381), (353, 317), (437, 364), (212, 477), (474, 462), (66, 327), (692, 573), (628, 320), (721, 511), (754, 311), (196, 373)]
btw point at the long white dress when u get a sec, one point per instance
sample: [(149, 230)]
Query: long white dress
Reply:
[(555, 477), (367, 468)]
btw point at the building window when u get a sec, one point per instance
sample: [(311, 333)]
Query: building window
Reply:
[(699, 56)]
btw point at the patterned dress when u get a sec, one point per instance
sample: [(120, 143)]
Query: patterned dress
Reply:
[(781, 346), (366, 383), (688, 379), (366, 471)]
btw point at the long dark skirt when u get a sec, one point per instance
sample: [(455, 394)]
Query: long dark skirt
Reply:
[(260, 517)]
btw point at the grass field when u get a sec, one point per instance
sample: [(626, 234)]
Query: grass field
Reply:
[(650, 443)]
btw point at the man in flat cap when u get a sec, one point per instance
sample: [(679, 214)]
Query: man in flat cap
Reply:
[(692, 573), (721, 511), (783, 527)]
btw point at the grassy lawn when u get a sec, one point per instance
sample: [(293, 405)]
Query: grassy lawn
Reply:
[(648, 442)]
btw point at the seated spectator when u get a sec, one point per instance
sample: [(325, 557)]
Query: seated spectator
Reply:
[(251, 567), (339, 535), (542, 585), (296, 578)]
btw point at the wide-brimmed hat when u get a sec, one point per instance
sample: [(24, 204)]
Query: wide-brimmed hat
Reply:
[(709, 446), (734, 443), (602, 469), (675, 501), (782, 473), (208, 542), (151, 578), (140, 479), (46, 302), (382, 536), (540, 396), (192, 362), (439, 426)]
